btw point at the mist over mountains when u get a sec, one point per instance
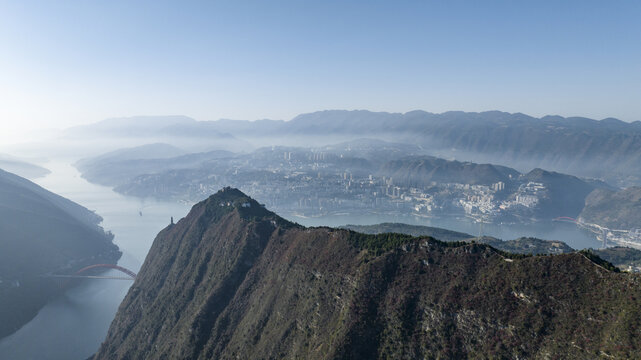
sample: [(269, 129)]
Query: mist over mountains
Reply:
[(575, 145), (181, 131), (21, 167), (135, 126), (293, 183), (217, 282), (492, 166), (380, 167)]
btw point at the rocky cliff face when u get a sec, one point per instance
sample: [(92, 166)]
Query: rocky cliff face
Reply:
[(233, 280)]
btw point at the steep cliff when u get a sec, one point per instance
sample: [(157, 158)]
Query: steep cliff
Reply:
[(233, 280)]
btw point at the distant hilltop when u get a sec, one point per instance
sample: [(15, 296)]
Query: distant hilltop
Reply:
[(21, 167)]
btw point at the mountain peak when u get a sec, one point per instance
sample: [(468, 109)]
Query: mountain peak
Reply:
[(230, 199), (249, 289), (229, 192)]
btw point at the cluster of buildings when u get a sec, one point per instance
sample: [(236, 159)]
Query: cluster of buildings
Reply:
[(527, 195), (630, 238), (315, 184), (320, 191)]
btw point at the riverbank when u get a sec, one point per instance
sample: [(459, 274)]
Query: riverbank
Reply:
[(73, 324), (608, 237)]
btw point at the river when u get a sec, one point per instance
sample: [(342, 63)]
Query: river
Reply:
[(73, 325)]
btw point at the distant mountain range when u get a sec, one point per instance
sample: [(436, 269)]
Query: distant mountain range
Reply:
[(121, 166), (180, 131), (132, 172), (143, 152), (41, 233), (135, 126), (21, 167), (421, 148), (609, 149), (606, 149), (234, 280)]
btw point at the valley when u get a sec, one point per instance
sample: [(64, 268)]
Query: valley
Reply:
[(338, 180)]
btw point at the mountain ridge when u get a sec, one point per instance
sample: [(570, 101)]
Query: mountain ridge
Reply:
[(221, 283), (609, 148)]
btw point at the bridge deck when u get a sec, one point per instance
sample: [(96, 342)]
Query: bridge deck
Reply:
[(90, 277)]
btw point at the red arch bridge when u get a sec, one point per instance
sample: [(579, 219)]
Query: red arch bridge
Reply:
[(80, 274)]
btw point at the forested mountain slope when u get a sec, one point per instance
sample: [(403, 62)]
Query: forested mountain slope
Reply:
[(233, 280)]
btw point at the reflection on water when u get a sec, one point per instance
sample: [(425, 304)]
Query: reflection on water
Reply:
[(73, 325)]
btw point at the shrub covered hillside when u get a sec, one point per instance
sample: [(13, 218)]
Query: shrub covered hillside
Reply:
[(232, 280)]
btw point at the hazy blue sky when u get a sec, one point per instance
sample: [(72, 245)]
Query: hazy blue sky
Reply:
[(69, 62)]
